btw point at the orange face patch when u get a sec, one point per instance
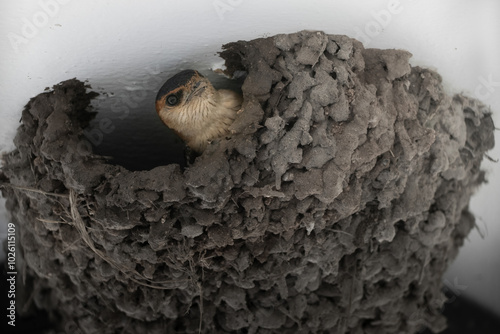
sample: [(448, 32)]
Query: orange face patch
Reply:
[(160, 104)]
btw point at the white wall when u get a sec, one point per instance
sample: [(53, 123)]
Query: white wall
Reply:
[(126, 48)]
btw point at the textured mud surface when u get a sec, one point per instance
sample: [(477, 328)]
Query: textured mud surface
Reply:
[(335, 207)]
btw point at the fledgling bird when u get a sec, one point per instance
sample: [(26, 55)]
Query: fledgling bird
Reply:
[(198, 113)]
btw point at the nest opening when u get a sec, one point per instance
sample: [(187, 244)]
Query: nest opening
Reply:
[(135, 138)]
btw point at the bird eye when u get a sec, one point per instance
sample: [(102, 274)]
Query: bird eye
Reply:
[(172, 100)]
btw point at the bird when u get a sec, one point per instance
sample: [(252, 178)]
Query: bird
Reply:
[(198, 113)]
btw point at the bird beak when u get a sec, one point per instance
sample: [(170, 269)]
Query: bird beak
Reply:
[(197, 90)]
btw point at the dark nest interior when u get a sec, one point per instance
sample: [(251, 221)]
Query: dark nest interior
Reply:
[(336, 205)]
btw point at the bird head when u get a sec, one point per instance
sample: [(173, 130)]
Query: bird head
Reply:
[(189, 105), (182, 96)]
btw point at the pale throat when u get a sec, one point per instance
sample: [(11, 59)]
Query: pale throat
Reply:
[(198, 116)]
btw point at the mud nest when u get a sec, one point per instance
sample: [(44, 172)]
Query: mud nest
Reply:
[(336, 206)]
